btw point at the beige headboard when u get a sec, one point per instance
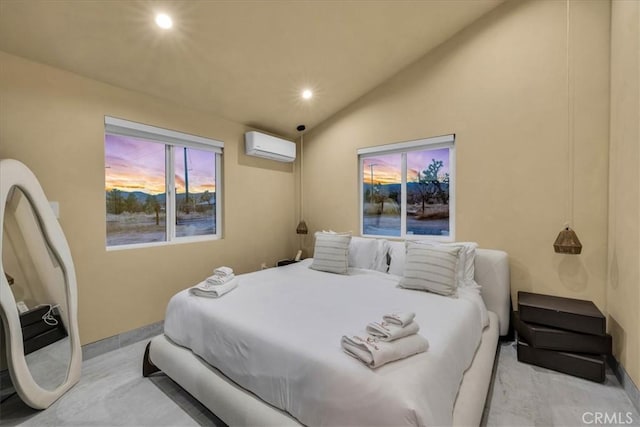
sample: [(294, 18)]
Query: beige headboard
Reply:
[(492, 273)]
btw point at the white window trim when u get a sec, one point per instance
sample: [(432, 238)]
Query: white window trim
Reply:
[(433, 143), (177, 241), (123, 127), (416, 144), (171, 139)]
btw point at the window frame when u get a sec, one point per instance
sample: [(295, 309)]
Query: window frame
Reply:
[(171, 140), (402, 148)]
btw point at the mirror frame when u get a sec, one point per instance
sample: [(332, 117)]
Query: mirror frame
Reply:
[(14, 174)]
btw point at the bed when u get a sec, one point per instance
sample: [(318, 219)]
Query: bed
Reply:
[(269, 352)]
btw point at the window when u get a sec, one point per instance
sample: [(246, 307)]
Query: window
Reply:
[(160, 185), (408, 189)]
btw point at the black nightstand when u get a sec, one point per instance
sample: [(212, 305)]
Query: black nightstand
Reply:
[(36, 333), (284, 262), (564, 334)]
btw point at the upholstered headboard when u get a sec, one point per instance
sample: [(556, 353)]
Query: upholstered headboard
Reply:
[(492, 273)]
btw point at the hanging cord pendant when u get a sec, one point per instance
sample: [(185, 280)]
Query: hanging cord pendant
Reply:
[(567, 242), (302, 225)]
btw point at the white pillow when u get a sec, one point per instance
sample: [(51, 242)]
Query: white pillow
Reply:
[(467, 270), (331, 252), (398, 254), (466, 263), (382, 264), (431, 268), (363, 252), (369, 253)]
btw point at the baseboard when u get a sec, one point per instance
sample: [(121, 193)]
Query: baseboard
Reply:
[(115, 342), (625, 380)]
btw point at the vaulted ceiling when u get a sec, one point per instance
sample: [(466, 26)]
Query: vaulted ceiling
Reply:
[(247, 61)]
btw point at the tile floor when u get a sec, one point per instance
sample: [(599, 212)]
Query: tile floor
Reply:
[(112, 392), (526, 395)]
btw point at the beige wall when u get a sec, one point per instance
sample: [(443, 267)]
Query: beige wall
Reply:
[(53, 121), (501, 87), (623, 290)]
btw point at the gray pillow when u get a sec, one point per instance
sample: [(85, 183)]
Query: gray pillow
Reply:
[(432, 269), (331, 253)]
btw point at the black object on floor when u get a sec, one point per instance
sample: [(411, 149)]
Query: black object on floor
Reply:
[(564, 313), (588, 366), (540, 336), (36, 332), (564, 334)]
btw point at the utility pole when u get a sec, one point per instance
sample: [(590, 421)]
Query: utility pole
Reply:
[(186, 180), (371, 183)]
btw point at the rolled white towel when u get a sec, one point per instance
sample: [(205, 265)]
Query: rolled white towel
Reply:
[(204, 289), (375, 353), (402, 319), (390, 331), (223, 271), (219, 280)]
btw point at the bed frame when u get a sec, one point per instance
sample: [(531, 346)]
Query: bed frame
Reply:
[(239, 407)]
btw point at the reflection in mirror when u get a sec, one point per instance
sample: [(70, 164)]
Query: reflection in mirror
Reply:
[(39, 290)]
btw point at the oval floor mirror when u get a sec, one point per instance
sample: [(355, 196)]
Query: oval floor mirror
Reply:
[(38, 293)]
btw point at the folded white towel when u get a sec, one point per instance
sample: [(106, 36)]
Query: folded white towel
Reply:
[(204, 289), (374, 353), (223, 271), (219, 280), (390, 331), (402, 319)]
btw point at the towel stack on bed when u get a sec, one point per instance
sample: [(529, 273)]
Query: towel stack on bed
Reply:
[(395, 338), (222, 281)]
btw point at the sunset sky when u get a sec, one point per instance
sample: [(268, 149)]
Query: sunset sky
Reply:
[(133, 164), (387, 168)]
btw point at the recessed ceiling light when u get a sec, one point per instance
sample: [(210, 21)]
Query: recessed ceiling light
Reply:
[(164, 21), (307, 94)]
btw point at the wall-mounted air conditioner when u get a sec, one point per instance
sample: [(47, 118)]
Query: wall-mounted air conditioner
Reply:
[(267, 146)]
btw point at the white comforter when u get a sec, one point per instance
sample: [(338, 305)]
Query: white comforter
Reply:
[(278, 335)]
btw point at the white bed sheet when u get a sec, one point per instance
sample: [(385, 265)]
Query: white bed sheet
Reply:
[(278, 336)]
